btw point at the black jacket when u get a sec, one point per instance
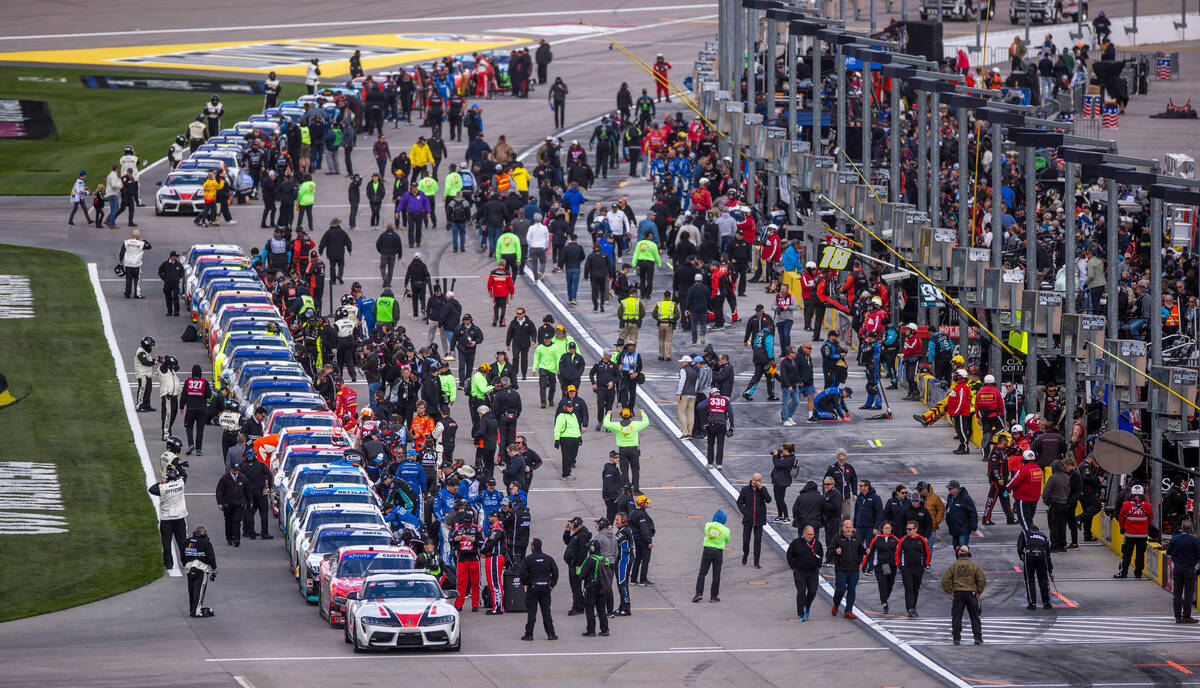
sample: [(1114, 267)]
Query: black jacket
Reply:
[(723, 379), (170, 273), (232, 491), (464, 335), (570, 367), (520, 335), (388, 243), (514, 470), (789, 373), (806, 509), (881, 550), (376, 192), (485, 433), (198, 547), (538, 572), (597, 266), (851, 555), (334, 243), (577, 546), (697, 298), (417, 274), (893, 512), (611, 482), (752, 501), (451, 314), (805, 556), (506, 404), (258, 475), (642, 526), (781, 469), (581, 408), (571, 256)]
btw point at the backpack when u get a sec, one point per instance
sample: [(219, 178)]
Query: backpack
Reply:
[(190, 334), (1037, 547)]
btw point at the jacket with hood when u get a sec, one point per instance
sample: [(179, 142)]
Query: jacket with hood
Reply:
[(806, 510), (781, 469), (716, 533)]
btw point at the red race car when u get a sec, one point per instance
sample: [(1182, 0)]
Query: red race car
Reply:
[(343, 572)]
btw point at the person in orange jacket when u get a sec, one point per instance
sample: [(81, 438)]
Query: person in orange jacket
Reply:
[(422, 425)]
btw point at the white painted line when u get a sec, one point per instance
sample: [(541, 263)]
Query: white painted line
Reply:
[(243, 682), (373, 22), (701, 461), (644, 489), (139, 441), (606, 653), (702, 647)]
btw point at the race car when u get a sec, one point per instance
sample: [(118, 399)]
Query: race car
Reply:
[(324, 493), (401, 610), (231, 360), (327, 540), (180, 192), (344, 571), (319, 515), (272, 383), (287, 418)]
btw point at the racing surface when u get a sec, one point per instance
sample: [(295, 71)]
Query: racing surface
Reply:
[(1118, 632)]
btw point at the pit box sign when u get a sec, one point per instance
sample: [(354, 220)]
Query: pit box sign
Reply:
[(823, 161), (930, 295), (916, 217)]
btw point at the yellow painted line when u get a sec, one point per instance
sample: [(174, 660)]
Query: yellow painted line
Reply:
[(979, 680), (757, 582), (284, 56)]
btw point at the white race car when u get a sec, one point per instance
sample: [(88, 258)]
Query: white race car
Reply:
[(405, 609), (181, 192)]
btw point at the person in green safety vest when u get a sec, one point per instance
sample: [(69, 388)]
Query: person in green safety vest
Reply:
[(305, 197), (545, 365), (630, 313), (479, 389), (450, 189), (429, 187), (626, 432), (305, 157), (716, 537), (666, 313), (568, 436), (307, 302), (561, 341), (448, 385), (646, 259), (385, 308), (508, 251)]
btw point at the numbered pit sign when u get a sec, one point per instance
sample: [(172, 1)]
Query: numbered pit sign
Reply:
[(834, 258)]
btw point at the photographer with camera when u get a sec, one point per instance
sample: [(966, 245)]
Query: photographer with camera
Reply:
[(172, 505)]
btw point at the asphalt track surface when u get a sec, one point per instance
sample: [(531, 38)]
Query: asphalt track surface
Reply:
[(264, 635)]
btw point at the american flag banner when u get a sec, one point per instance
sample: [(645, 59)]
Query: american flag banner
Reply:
[(1109, 117), (1091, 106), (1162, 69)]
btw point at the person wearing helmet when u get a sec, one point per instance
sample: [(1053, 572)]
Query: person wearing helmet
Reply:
[(958, 406), (989, 406), (169, 388), (129, 166), (998, 476), (347, 341), (1135, 517), (642, 527), (143, 370), (718, 409), (213, 110), (910, 354), (1026, 488)]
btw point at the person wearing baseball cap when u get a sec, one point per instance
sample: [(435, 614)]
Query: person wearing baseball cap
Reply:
[(171, 274), (611, 482), (962, 518), (964, 580), (576, 537)]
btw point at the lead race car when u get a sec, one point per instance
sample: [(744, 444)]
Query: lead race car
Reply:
[(398, 610)]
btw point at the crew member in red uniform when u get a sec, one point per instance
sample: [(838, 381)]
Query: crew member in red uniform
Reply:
[(1135, 516), (958, 405), (1026, 488), (808, 291), (661, 69), (910, 354), (493, 562), (989, 406), (500, 286), (346, 401), (465, 540), (826, 299), (720, 423), (875, 320), (769, 256)]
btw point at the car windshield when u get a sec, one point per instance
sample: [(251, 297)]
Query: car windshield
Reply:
[(356, 518), (360, 564), (304, 458), (186, 179), (355, 497), (316, 477), (401, 590), (333, 543)]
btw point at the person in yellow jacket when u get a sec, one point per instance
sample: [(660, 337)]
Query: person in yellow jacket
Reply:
[(420, 157), (520, 179), (626, 432), (545, 364), (508, 251), (666, 313), (716, 537), (561, 342), (646, 259), (630, 313), (567, 435)]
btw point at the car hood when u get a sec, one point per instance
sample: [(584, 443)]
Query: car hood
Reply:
[(408, 612)]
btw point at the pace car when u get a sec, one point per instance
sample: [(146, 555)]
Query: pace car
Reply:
[(401, 610), (180, 192)]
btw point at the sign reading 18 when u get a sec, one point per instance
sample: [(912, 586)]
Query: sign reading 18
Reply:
[(834, 258)]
